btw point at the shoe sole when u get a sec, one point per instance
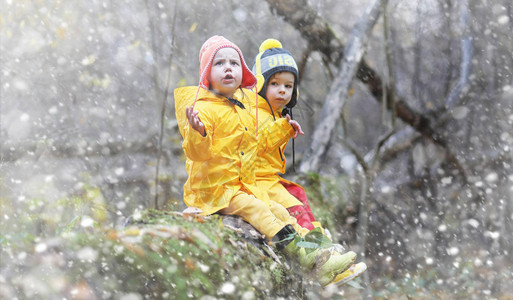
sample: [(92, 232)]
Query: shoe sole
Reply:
[(359, 269)]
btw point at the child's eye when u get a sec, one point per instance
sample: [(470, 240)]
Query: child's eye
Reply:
[(217, 63), (288, 86), (235, 63), (273, 83)]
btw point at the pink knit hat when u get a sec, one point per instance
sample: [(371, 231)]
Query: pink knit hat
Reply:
[(206, 56), (207, 53)]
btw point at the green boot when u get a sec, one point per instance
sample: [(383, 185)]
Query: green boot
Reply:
[(324, 263), (336, 264)]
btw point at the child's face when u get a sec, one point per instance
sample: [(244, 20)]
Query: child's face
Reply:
[(226, 72), (279, 89)]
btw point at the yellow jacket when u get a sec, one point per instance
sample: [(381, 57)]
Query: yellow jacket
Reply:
[(272, 162), (223, 162)]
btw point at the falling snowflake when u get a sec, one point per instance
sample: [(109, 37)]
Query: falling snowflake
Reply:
[(453, 251), (446, 180), (492, 177), (87, 254), (86, 222), (41, 247), (227, 288), (503, 20)]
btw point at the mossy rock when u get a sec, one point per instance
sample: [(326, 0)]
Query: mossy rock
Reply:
[(160, 255)]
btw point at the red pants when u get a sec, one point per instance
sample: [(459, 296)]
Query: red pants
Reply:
[(303, 214)]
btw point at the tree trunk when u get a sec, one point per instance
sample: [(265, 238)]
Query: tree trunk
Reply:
[(466, 53)]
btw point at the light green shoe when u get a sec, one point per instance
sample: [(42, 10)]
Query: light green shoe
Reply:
[(336, 264), (353, 272), (324, 264), (313, 254)]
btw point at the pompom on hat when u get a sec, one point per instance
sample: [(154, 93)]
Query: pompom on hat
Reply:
[(272, 59), (207, 53)]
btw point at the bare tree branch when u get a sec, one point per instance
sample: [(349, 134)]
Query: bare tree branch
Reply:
[(302, 63), (313, 28), (359, 158), (321, 37), (466, 60), (154, 49), (416, 81), (391, 81), (337, 95), (379, 146), (163, 109)]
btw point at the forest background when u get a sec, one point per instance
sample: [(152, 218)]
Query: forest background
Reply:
[(409, 149)]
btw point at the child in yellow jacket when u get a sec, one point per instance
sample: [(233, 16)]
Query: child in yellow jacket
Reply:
[(277, 83), (221, 145)]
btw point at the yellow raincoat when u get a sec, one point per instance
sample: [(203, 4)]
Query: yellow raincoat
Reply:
[(271, 163), (223, 162)]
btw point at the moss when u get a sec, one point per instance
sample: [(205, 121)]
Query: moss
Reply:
[(166, 255)]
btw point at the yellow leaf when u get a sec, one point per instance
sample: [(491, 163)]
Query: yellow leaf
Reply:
[(112, 234), (105, 82), (61, 32), (193, 27), (135, 44), (136, 249), (95, 197), (132, 231), (189, 263)]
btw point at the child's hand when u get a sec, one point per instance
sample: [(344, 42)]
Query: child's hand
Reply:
[(294, 125), (195, 121)]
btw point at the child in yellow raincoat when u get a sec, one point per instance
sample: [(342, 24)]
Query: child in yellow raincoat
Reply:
[(277, 83), (221, 145)]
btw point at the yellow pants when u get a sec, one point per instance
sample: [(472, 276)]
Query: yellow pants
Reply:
[(267, 219), (278, 192)]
